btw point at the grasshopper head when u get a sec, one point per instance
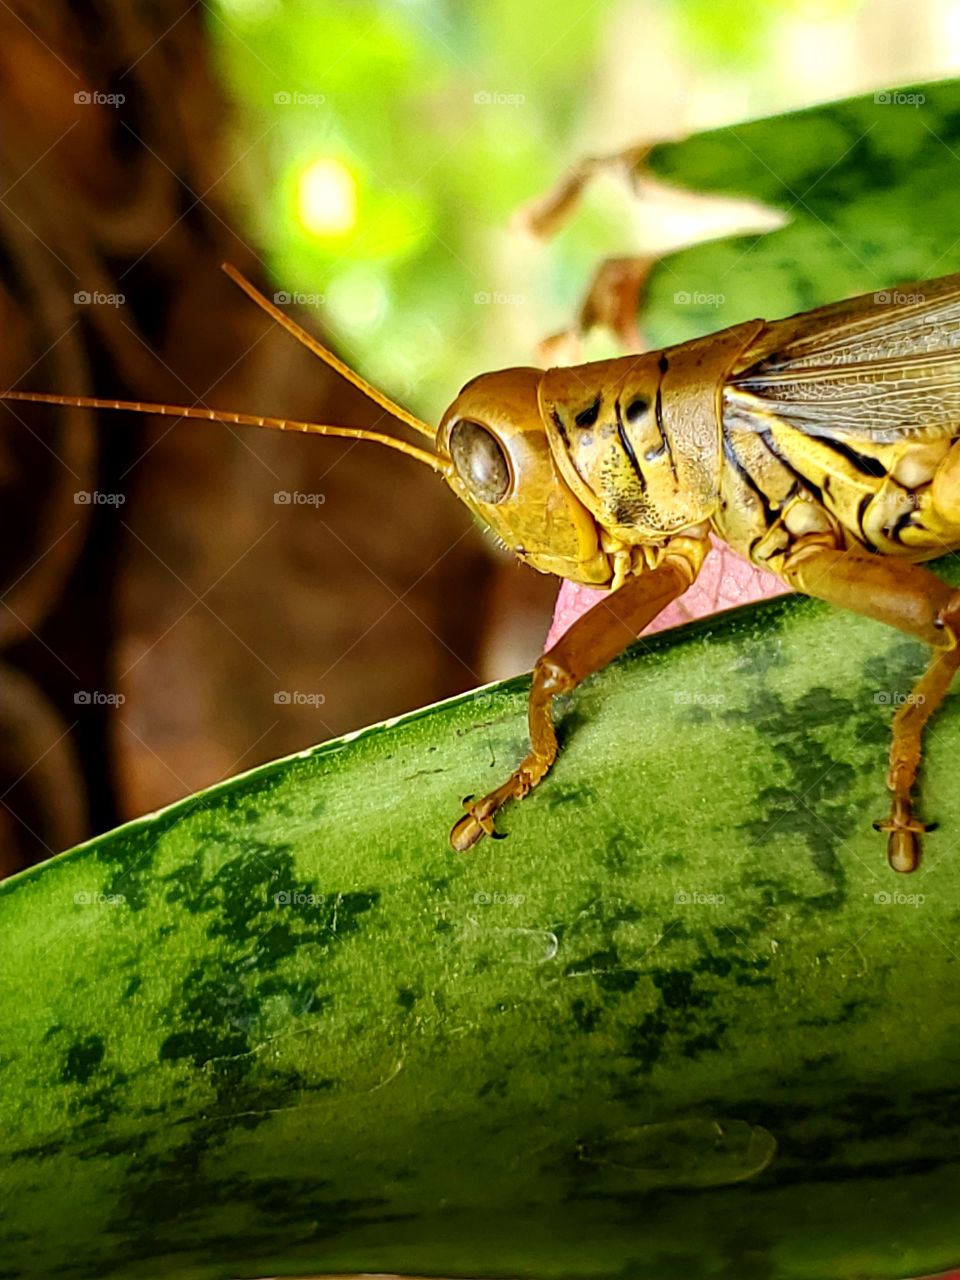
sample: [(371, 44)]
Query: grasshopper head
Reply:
[(502, 467)]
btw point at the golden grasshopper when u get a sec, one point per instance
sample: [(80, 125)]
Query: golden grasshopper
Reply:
[(824, 447)]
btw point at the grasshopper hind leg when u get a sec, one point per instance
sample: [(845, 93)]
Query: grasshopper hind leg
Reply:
[(902, 827), (914, 600)]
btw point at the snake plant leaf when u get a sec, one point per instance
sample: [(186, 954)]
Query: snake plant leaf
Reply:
[(867, 187), (683, 1020)]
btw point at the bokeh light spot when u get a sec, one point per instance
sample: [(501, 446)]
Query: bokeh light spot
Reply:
[(358, 299), (327, 197)]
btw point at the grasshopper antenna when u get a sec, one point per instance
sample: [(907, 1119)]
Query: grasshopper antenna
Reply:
[(318, 349), (432, 460)]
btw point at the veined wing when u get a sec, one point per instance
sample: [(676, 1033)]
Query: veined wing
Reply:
[(880, 367)]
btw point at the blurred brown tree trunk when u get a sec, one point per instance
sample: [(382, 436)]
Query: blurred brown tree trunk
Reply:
[(179, 624)]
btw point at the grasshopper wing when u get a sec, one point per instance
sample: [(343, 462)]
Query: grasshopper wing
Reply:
[(881, 367)]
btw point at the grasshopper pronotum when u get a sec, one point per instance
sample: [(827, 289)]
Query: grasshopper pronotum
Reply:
[(824, 447)]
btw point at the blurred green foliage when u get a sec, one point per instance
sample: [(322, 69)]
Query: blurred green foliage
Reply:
[(737, 32), (381, 148), (444, 118)]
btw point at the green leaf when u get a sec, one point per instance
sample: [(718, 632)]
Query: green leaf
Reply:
[(682, 1021), (868, 188)]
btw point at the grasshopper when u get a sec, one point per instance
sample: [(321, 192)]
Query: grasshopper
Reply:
[(824, 447)]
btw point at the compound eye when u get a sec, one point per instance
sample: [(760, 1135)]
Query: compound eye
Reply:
[(480, 461)]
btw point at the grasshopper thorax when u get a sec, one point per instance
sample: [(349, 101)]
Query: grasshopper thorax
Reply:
[(638, 439)]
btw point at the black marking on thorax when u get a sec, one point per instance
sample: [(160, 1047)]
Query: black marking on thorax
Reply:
[(664, 365), (861, 513), (730, 454), (628, 448), (862, 462), (767, 437), (800, 481), (903, 521), (588, 417)]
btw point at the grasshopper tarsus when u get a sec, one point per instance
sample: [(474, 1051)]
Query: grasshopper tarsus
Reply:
[(903, 851), (465, 833), (903, 831)]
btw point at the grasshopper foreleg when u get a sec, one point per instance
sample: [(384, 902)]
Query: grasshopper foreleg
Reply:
[(593, 641)]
